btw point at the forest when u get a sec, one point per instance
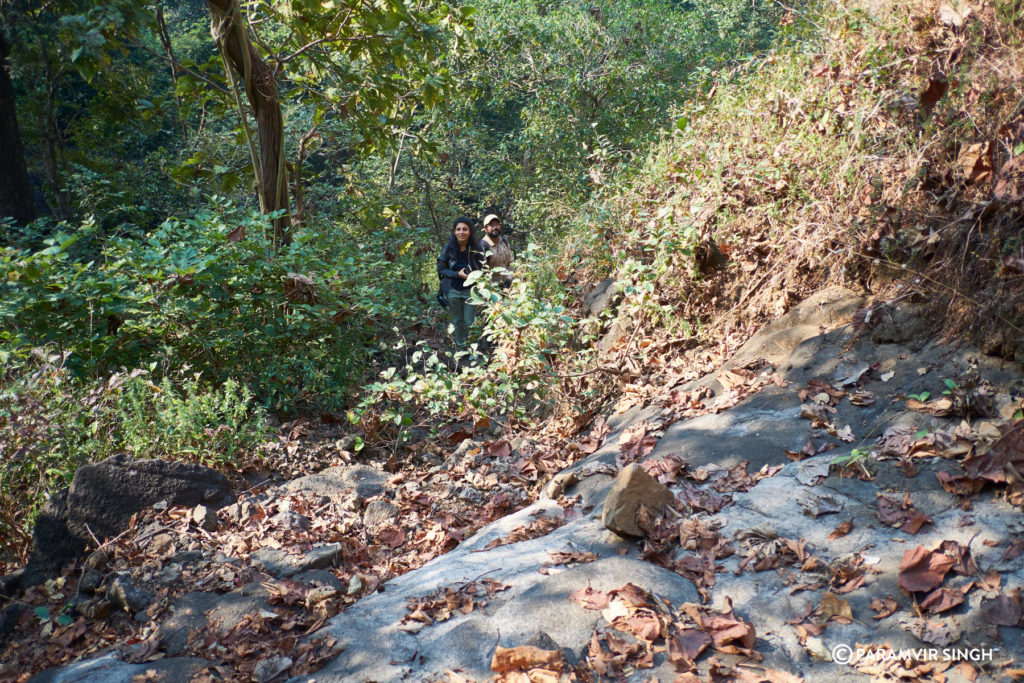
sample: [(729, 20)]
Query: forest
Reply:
[(221, 214), (747, 406)]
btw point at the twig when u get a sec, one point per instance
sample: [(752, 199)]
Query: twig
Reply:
[(603, 368), (629, 342)]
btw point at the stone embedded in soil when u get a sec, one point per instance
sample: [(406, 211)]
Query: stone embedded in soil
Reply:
[(162, 544), (379, 512), (337, 482), (205, 518), (128, 596), (290, 520), (632, 487), (283, 565), (90, 581), (102, 499)]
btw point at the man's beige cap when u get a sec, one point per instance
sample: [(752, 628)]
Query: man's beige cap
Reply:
[(490, 217)]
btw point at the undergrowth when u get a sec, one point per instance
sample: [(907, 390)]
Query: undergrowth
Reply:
[(51, 423), (878, 146)]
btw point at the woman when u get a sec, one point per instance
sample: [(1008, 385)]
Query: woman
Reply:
[(460, 257)]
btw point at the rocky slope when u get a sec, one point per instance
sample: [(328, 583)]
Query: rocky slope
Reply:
[(825, 515)]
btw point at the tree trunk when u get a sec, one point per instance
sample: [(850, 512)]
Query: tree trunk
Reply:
[(229, 33), (15, 190)]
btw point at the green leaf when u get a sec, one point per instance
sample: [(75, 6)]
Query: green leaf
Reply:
[(42, 613), (64, 619)]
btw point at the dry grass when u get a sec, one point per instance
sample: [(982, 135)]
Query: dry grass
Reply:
[(866, 151)]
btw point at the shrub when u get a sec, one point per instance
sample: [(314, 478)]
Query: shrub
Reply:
[(294, 325), (52, 423), (529, 331)]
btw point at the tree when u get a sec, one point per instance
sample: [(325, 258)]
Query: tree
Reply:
[(260, 83), (15, 191), (375, 65)]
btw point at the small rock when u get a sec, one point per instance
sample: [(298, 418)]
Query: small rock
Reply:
[(290, 520), (417, 434), (129, 597), (205, 518), (9, 583), (187, 557), (93, 608), (170, 573), (464, 448), (90, 581), (631, 487), (601, 297), (472, 495), (9, 618), (162, 544), (519, 444), (317, 595), (355, 585), (98, 560), (379, 512), (285, 565)]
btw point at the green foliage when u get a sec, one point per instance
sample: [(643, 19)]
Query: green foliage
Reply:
[(53, 423), (185, 420), (291, 324), (529, 330), (855, 458)]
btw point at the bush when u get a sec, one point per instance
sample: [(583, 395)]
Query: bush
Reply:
[(529, 331), (211, 292), (52, 423)]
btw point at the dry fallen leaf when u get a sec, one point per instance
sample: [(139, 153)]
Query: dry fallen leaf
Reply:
[(525, 657), (976, 161), (832, 607), (954, 12), (922, 570), (883, 607), (841, 530), (942, 599)]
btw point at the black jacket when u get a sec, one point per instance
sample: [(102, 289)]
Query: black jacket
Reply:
[(449, 257)]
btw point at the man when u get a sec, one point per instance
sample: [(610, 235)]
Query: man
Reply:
[(499, 253)]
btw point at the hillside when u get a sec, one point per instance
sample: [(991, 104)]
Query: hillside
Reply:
[(820, 250)]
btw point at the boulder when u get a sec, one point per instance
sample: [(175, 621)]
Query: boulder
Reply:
[(285, 565), (900, 324), (601, 297), (102, 499), (336, 483), (125, 594), (631, 487), (620, 329)]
